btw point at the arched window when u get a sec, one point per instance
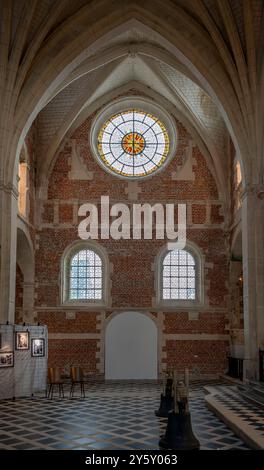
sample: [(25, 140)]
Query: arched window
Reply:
[(180, 276), (85, 272), (85, 282), (23, 182)]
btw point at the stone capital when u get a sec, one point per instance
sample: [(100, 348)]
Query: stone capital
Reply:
[(9, 188)]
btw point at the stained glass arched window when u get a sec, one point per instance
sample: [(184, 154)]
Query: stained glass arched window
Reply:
[(178, 276), (85, 276), (133, 143)]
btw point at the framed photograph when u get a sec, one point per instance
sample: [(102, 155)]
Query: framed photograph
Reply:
[(6, 359), (22, 340), (37, 347)]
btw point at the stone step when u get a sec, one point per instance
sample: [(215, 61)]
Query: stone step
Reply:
[(252, 395), (257, 386), (237, 422)]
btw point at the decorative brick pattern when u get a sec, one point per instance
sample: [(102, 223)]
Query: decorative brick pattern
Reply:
[(198, 214), (206, 323), (201, 357), (66, 353)]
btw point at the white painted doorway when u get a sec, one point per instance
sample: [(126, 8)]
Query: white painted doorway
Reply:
[(131, 347)]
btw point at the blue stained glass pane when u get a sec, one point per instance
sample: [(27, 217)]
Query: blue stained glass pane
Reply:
[(174, 293), (174, 282), (74, 283), (174, 270), (81, 272), (81, 294), (98, 272), (191, 282), (74, 271), (166, 293), (167, 260), (82, 283), (90, 271), (90, 283), (183, 282), (166, 271), (98, 294), (182, 271), (191, 294), (90, 294), (98, 283), (73, 294), (183, 294)]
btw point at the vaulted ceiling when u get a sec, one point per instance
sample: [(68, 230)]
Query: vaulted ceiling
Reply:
[(129, 65), (202, 60)]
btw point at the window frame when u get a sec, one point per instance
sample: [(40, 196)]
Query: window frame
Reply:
[(195, 252), (123, 104), (68, 254)]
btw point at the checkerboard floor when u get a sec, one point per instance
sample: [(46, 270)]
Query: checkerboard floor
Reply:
[(233, 401), (112, 416)]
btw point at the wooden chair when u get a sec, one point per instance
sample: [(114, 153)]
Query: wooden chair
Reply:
[(77, 377), (54, 377)]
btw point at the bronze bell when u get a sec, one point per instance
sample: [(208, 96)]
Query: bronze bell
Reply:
[(166, 399), (179, 434)]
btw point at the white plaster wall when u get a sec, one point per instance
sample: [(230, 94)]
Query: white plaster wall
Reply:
[(131, 347)]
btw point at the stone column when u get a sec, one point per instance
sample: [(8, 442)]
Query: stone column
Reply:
[(253, 273), (28, 301), (8, 235)]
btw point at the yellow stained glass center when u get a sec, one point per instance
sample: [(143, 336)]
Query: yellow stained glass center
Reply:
[(133, 143)]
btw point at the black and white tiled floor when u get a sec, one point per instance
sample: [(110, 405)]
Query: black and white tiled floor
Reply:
[(249, 413), (112, 416)]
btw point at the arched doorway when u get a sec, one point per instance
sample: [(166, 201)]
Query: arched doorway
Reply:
[(131, 347)]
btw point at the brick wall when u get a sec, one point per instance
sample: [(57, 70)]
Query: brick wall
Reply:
[(76, 337), (201, 357)]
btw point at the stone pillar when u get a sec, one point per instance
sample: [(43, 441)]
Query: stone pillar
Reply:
[(253, 273), (28, 302), (8, 234)]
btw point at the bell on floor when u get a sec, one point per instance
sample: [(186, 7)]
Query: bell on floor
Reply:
[(179, 434)]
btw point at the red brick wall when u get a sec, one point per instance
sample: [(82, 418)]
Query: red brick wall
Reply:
[(132, 276), (206, 323), (68, 352), (56, 322), (201, 357)]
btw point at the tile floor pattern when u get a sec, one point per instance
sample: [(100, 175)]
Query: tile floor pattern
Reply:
[(250, 413), (112, 416)]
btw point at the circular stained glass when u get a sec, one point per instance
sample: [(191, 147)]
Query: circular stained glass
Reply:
[(133, 143)]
